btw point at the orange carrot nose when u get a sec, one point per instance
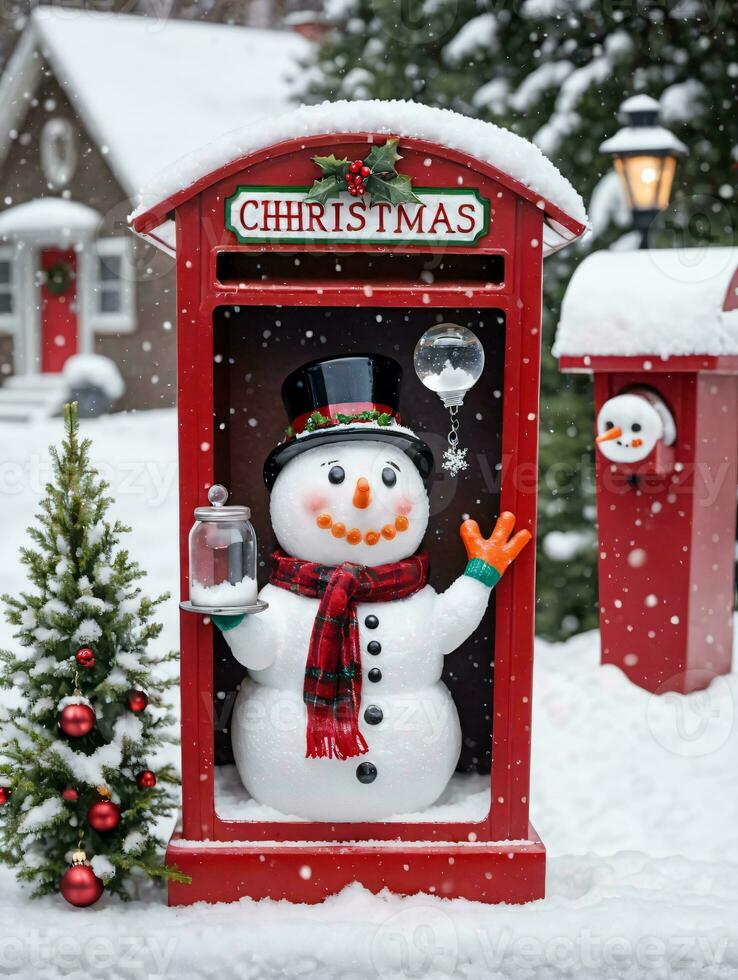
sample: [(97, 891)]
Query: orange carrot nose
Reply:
[(362, 493), (609, 434)]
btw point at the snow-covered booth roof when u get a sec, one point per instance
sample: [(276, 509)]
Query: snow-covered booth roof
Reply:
[(510, 159), (664, 303), (49, 218)]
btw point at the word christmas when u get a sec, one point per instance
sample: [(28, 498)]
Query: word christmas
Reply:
[(270, 214)]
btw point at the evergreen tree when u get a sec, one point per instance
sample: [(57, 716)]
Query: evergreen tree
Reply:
[(556, 72), (83, 628)]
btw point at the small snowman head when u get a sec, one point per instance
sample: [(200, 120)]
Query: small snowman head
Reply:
[(630, 425), (363, 502)]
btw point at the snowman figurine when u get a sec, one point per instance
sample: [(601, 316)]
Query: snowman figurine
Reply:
[(343, 715), (630, 425)]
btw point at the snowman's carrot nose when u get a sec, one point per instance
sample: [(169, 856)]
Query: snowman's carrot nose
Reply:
[(362, 493), (609, 434)]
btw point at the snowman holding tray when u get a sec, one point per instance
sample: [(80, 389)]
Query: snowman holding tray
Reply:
[(343, 715)]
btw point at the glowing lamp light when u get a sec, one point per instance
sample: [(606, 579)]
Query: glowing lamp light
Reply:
[(644, 157)]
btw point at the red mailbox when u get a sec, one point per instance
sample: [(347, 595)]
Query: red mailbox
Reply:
[(266, 281), (659, 332)]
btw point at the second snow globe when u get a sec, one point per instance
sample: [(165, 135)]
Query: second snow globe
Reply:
[(222, 556)]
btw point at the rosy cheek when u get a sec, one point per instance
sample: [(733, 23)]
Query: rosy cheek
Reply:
[(315, 503), (404, 506)]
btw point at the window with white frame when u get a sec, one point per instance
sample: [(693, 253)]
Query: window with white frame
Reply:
[(8, 301), (114, 286)]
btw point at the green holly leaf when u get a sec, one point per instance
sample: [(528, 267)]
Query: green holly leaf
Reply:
[(332, 166), (325, 189), (382, 159), (396, 191)]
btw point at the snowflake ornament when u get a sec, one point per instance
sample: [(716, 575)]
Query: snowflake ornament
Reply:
[(454, 460)]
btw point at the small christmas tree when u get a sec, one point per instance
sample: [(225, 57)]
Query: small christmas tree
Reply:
[(76, 753)]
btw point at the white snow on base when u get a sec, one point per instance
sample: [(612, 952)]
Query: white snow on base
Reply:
[(466, 798), (635, 797), (663, 302), (241, 593), (499, 147)]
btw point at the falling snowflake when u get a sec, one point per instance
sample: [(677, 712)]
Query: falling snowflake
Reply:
[(454, 460)]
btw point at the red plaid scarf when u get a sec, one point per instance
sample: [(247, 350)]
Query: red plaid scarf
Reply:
[(332, 689)]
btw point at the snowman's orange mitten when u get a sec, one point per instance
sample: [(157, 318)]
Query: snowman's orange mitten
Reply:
[(489, 557)]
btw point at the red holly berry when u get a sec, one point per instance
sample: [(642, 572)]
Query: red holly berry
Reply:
[(85, 657), (4, 795), (146, 779), (350, 179), (353, 190), (362, 191), (70, 794), (137, 701), (365, 171)]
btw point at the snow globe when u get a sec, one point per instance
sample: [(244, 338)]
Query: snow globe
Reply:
[(222, 557), (449, 360)]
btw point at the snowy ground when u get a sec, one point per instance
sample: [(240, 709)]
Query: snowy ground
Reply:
[(636, 799)]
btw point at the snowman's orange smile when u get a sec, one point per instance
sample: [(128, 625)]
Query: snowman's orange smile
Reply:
[(354, 535)]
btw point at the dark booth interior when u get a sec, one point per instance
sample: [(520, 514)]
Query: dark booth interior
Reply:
[(254, 349)]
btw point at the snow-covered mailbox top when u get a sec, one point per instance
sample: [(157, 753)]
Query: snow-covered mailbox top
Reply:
[(661, 303), (268, 279)]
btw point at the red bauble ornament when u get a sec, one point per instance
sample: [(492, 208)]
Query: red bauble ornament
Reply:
[(70, 794), (146, 779), (103, 816), (85, 657), (4, 795), (76, 720), (137, 701), (80, 885)]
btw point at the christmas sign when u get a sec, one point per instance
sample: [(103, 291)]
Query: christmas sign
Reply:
[(359, 201)]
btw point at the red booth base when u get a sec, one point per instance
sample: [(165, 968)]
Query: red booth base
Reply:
[(503, 871)]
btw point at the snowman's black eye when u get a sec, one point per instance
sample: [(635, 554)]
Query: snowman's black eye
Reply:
[(636, 427), (336, 474), (609, 425), (389, 477)]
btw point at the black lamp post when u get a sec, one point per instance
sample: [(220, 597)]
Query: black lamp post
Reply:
[(644, 156)]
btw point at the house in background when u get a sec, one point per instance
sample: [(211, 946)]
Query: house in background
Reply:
[(92, 105)]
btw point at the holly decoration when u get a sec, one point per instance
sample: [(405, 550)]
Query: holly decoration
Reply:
[(58, 278), (137, 701), (79, 885), (4, 795), (85, 657), (103, 816), (76, 720), (375, 177), (319, 421), (146, 779)]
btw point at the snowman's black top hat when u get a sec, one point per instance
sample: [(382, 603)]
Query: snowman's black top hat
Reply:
[(345, 399)]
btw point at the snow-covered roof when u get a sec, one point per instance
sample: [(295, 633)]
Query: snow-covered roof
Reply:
[(45, 214), (498, 147), (664, 302), (150, 89)]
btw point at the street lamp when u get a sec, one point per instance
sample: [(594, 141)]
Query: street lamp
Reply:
[(644, 156)]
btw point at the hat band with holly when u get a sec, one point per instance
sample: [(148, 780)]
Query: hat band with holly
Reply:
[(342, 413)]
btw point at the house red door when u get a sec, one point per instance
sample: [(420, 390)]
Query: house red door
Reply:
[(58, 308)]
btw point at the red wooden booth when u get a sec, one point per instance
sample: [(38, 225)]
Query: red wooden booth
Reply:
[(266, 284), (664, 324)]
